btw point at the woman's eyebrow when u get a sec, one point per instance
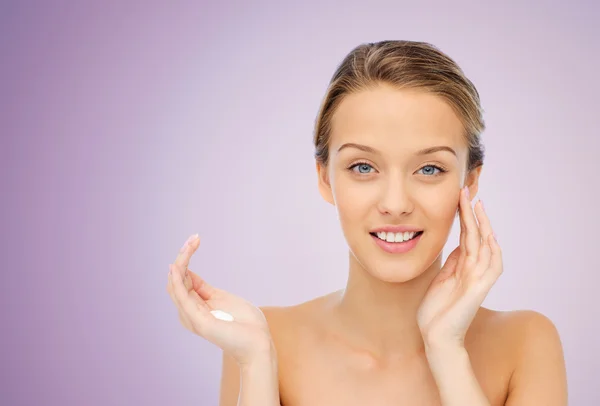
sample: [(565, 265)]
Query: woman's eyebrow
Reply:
[(358, 146), (372, 150), (431, 150)]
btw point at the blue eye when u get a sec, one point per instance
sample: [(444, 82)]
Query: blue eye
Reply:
[(362, 168), (431, 172)]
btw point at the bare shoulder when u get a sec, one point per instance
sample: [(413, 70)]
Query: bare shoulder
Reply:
[(519, 325), (278, 317), (531, 342), (291, 324), (297, 315), (517, 331)]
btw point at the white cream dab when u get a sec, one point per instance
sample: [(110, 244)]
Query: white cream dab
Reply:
[(221, 315)]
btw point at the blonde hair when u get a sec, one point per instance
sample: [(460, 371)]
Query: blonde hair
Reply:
[(403, 64)]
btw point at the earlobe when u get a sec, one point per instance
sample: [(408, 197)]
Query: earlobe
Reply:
[(324, 183)]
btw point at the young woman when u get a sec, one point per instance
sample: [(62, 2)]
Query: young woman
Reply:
[(398, 154)]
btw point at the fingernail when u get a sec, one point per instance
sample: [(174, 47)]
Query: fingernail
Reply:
[(467, 192), (495, 236), (481, 203), (187, 242)]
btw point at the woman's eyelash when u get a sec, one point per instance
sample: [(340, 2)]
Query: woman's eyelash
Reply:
[(354, 165), (439, 168), (442, 170)]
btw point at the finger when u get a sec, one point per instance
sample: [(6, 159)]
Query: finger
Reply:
[(175, 279), (183, 319), (451, 264), (201, 287), (485, 229), (496, 263), (170, 289), (187, 281), (485, 226), (185, 253), (463, 228), (483, 259), (170, 286), (462, 243), (192, 306), (472, 238)]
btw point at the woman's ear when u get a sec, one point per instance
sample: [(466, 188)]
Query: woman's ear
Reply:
[(324, 183), (472, 181)]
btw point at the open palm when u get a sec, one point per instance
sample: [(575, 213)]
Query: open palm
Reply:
[(244, 338)]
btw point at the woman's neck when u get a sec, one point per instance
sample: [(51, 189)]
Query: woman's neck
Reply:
[(381, 317)]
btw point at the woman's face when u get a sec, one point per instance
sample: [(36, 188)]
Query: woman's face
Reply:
[(380, 175)]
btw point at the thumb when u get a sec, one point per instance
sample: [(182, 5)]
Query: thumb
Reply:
[(200, 286), (451, 263)]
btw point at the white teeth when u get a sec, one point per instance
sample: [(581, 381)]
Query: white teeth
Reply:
[(396, 237)]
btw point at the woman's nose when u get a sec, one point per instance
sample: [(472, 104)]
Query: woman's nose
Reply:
[(395, 198)]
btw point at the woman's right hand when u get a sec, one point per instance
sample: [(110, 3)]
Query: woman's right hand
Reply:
[(246, 338)]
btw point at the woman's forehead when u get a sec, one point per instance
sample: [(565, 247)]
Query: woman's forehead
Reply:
[(385, 109), (390, 119)]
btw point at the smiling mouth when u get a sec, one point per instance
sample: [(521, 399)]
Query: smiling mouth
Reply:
[(396, 237)]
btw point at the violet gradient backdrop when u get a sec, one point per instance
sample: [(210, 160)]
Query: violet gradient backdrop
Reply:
[(127, 126)]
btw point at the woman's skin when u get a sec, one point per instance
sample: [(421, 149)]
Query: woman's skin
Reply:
[(406, 329)]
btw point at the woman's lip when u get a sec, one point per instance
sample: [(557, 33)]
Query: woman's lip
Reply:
[(396, 247), (396, 229)]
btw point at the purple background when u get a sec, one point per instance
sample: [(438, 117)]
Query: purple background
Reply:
[(126, 127)]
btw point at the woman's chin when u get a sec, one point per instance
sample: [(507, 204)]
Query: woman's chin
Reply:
[(391, 271), (396, 274), (396, 269)]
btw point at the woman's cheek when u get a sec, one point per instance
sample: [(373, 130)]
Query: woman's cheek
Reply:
[(346, 186), (354, 200), (442, 204), (350, 197)]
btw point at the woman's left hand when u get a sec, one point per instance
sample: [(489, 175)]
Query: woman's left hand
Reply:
[(457, 292)]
